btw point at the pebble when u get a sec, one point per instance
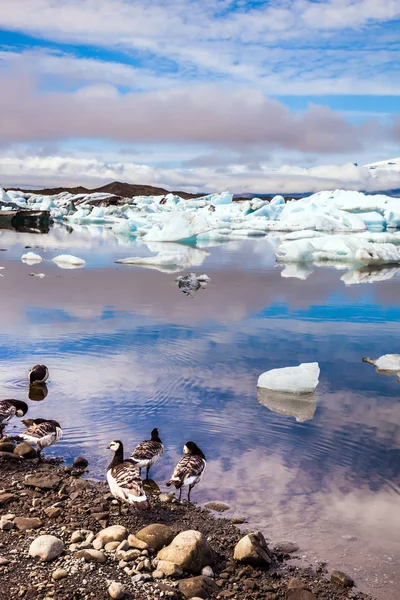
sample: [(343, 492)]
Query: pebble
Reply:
[(91, 556), (46, 547), (80, 462), (342, 579), (116, 590), (59, 574), (207, 571)]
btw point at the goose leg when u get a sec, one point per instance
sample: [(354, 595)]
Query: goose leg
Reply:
[(40, 457), (119, 508), (140, 471), (147, 473), (190, 489), (180, 494)]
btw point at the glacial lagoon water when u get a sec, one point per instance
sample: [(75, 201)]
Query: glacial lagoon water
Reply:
[(128, 351)]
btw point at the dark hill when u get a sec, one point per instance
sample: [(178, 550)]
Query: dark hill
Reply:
[(117, 188)]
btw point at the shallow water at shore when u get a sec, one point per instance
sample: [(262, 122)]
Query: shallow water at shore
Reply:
[(128, 351)]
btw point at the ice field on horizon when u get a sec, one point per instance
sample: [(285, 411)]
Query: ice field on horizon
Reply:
[(338, 227)]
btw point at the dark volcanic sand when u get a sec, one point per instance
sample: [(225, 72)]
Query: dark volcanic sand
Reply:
[(85, 503)]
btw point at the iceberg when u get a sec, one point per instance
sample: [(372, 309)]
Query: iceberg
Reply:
[(302, 379), (31, 258), (302, 408), (336, 248), (67, 261)]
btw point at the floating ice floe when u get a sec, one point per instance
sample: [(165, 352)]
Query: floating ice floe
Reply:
[(387, 362), (31, 258), (327, 226), (169, 257), (190, 283), (301, 407), (361, 248), (67, 261), (40, 275), (302, 379)]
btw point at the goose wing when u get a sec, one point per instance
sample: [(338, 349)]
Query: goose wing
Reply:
[(41, 430), (147, 450), (188, 466), (7, 410), (126, 476)]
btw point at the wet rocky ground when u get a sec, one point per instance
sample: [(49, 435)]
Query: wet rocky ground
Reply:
[(95, 553)]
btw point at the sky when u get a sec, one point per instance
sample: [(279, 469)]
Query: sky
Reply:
[(198, 96)]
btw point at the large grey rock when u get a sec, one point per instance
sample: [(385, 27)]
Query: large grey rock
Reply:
[(190, 550), (197, 587), (44, 481), (252, 549), (46, 547), (114, 533), (169, 569), (156, 536)]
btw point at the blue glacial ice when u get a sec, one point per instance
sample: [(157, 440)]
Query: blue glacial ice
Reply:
[(338, 226)]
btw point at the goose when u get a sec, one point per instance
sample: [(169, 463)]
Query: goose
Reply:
[(189, 469), (387, 362), (148, 452), (124, 479), (10, 408), (41, 433), (190, 283), (38, 374)]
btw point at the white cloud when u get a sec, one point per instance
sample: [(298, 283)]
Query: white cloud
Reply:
[(58, 170)]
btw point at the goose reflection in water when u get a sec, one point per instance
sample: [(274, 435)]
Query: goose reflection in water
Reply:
[(37, 392)]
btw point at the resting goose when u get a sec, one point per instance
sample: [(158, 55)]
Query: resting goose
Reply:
[(189, 469), (148, 452), (124, 479), (38, 374), (10, 408), (41, 433)]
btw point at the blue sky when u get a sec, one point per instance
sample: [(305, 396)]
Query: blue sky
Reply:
[(195, 95)]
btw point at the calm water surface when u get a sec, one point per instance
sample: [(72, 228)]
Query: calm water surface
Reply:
[(127, 351)]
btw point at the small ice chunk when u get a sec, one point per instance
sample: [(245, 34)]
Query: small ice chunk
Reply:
[(67, 261), (31, 258), (296, 380), (40, 275)]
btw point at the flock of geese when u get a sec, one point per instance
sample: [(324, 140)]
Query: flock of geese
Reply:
[(124, 476)]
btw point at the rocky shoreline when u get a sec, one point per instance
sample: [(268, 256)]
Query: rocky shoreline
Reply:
[(61, 538)]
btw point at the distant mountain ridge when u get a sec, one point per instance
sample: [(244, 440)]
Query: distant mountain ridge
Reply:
[(116, 188)]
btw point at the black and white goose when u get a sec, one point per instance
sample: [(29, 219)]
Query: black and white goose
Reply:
[(38, 374), (41, 433), (10, 408), (124, 480), (148, 452), (189, 469)]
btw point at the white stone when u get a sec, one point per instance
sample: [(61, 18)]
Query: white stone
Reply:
[(46, 547)]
